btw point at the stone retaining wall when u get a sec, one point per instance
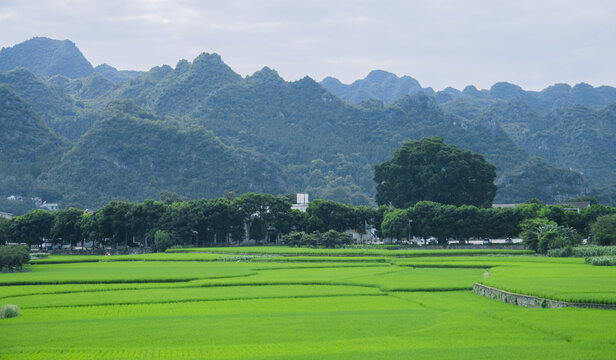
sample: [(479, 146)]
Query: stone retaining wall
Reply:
[(532, 301)]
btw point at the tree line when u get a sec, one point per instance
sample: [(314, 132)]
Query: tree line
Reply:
[(267, 218), (205, 222)]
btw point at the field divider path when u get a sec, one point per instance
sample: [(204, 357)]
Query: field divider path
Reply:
[(206, 300), (117, 281), (356, 252), (531, 301)]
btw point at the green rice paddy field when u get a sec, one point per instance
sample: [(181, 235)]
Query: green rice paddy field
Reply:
[(311, 305)]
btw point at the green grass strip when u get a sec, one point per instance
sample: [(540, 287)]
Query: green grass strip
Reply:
[(286, 250)]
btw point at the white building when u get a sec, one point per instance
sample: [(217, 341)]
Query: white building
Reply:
[(49, 206), (302, 203)]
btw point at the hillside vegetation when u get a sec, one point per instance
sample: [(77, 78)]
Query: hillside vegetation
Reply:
[(132, 154)]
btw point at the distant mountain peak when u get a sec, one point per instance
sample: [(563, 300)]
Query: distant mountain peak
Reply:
[(583, 85), (205, 63), (505, 90), (266, 75), (104, 67), (47, 57), (182, 66), (207, 59), (380, 75), (331, 80), (451, 90), (378, 84), (471, 90)]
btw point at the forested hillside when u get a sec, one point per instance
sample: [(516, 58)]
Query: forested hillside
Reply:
[(199, 129), (132, 154), (28, 147), (304, 119)]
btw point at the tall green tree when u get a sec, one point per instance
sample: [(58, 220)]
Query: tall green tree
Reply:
[(604, 230), (264, 214), (227, 222), (365, 216), (32, 228), (116, 221), (396, 224), (5, 230), (145, 218), (429, 169), (432, 219), (179, 220), (66, 226), (325, 215), (467, 222), (90, 227)]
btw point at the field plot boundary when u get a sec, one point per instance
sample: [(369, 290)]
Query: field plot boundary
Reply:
[(356, 252), (208, 300), (530, 301)]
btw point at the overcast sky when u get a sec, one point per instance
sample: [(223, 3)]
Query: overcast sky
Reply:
[(439, 42)]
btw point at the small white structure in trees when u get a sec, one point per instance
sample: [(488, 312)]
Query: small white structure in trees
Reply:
[(49, 206), (302, 203)]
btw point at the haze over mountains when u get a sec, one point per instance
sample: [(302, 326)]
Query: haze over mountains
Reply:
[(86, 135)]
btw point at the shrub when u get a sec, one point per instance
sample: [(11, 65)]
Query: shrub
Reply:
[(591, 251), (312, 240), (601, 260), (331, 239), (163, 240), (543, 235), (531, 231), (562, 252), (557, 237), (293, 239), (9, 311)]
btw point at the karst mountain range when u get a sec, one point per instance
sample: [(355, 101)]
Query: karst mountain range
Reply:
[(84, 135)]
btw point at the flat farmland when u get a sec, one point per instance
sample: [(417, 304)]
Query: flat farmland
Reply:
[(191, 307)]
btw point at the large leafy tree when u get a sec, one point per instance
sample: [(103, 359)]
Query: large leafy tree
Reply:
[(66, 226), (604, 230), (428, 169), (396, 224), (5, 230), (115, 221), (90, 227), (145, 217), (433, 219), (324, 215), (33, 227), (264, 211)]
